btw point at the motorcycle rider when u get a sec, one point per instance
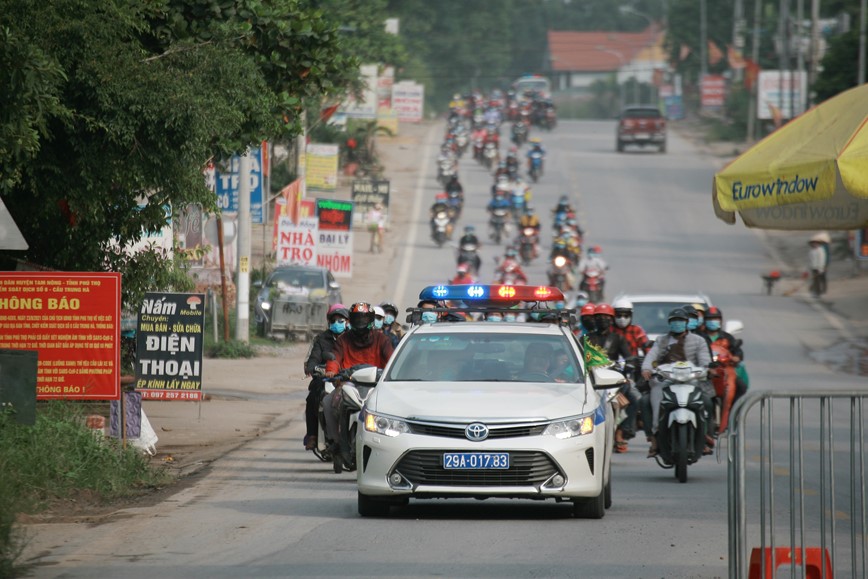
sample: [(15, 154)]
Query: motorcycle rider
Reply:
[(593, 262), (587, 324), (453, 188), (462, 276), (581, 299), (634, 334), (616, 347), (713, 331), (510, 267), (322, 345), (530, 219), (512, 161), (360, 345), (391, 327), (536, 147), (469, 236), (439, 206), (499, 201), (679, 345)]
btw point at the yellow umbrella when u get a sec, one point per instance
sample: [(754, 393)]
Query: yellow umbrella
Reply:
[(812, 173)]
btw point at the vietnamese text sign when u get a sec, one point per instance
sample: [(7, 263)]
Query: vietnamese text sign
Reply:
[(321, 171), (73, 321), (365, 193), (297, 243), (408, 101), (227, 184), (169, 346), (366, 108), (335, 247), (777, 91), (713, 91)]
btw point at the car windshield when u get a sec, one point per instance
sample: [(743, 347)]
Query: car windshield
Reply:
[(653, 316), (485, 357), (640, 114), (297, 278)]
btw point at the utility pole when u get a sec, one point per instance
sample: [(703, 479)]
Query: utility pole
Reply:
[(800, 54), (752, 112), (784, 55), (815, 48), (738, 34), (863, 9), (242, 287), (703, 40)]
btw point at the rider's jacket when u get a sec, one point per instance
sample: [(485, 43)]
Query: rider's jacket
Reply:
[(323, 344), (731, 343), (613, 344), (437, 208), (350, 350), (529, 221), (468, 238), (499, 202), (635, 336), (685, 347)]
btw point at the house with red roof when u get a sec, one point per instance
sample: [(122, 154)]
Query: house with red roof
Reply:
[(577, 59)]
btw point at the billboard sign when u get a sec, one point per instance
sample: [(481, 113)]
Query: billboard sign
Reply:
[(227, 185), (335, 243)]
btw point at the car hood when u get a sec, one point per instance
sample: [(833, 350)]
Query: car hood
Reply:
[(481, 400)]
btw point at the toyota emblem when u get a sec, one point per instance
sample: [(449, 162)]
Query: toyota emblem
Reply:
[(476, 432)]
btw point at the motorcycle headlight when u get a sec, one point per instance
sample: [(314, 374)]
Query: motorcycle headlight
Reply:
[(385, 425), (560, 261), (576, 426), (265, 305), (682, 373)]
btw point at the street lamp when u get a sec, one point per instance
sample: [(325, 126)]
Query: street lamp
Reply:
[(621, 61)]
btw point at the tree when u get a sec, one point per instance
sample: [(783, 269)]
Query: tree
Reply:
[(142, 94), (840, 66)]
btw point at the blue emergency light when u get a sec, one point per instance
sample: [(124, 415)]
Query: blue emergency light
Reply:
[(506, 293)]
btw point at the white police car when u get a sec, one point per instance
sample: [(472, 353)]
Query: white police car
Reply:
[(479, 410)]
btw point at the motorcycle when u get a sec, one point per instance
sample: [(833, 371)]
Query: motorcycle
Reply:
[(559, 273), (442, 229), (490, 154), (498, 221), (527, 245), (723, 377), (682, 425), (535, 165), (519, 134), (517, 201), (468, 253), (478, 149), (592, 283), (446, 170), (456, 204)]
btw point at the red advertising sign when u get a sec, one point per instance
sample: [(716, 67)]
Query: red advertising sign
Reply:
[(713, 91), (72, 320)]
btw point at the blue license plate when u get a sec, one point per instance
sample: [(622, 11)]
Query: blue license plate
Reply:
[(475, 460)]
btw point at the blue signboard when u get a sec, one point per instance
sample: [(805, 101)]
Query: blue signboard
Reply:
[(674, 107), (227, 186)]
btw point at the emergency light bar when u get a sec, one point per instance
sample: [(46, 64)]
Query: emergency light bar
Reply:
[(493, 293)]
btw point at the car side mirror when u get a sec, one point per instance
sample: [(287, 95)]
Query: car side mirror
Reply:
[(605, 378), (368, 375)]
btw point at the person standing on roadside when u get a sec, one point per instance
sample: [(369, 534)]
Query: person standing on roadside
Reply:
[(376, 221), (321, 348), (818, 262)]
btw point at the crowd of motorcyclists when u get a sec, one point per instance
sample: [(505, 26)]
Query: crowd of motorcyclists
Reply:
[(366, 334)]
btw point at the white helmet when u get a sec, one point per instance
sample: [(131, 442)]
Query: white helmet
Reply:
[(378, 311), (622, 304)]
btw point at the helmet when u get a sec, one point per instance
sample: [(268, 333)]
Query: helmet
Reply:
[(442, 196), (378, 311), (338, 310), (469, 229), (677, 314), (389, 307), (361, 316), (529, 210), (699, 307), (587, 309), (510, 252), (690, 310), (535, 140), (564, 200), (595, 249), (714, 313), (622, 304), (462, 268), (604, 309), (582, 296)]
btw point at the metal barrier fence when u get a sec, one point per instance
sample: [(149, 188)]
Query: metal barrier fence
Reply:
[(297, 317), (819, 528)]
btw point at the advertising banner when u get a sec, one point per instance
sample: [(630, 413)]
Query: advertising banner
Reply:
[(169, 342), (365, 193), (408, 101), (713, 91), (366, 108), (777, 91), (297, 243), (73, 321), (321, 167), (227, 185), (335, 247)]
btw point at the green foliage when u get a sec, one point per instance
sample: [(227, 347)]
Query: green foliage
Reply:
[(840, 66), (684, 30), (57, 458), (232, 349)]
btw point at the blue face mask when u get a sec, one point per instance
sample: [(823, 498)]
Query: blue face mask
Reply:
[(390, 319), (338, 327), (495, 319), (429, 317), (712, 325), (692, 323), (378, 324), (509, 317), (677, 326)]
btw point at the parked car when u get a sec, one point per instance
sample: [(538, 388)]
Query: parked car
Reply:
[(294, 299), (651, 310), (641, 125)]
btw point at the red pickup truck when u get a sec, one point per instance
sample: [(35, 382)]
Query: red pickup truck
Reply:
[(641, 125)]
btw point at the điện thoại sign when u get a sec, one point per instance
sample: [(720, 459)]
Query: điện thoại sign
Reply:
[(72, 321), (169, 346)]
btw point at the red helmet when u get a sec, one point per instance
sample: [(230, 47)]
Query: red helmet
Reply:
[(604, 309), (587, 309), (442, 196), (361, 316), (713, 312)]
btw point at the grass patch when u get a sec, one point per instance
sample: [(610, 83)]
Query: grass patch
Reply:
[(59, 458)]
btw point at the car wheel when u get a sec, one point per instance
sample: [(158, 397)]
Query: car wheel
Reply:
[(608, 492), (620, 147), (371, 507), (593, 508), (663, 147)]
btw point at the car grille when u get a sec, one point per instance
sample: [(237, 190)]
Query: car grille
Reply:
[(494, 432), (526, 468)]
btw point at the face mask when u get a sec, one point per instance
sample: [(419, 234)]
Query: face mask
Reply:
[(588, 324), (580, 302), (677, 326), (390, 319), (701, 319), (692, 323), (378, 324), (429, 317), (622, 322), (509, 318), (495, 319), (338, 327), (536, 316), (712, 325)]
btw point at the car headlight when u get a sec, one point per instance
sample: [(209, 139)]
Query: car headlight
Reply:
[(265, 306), (571, 427), (385, 425)]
